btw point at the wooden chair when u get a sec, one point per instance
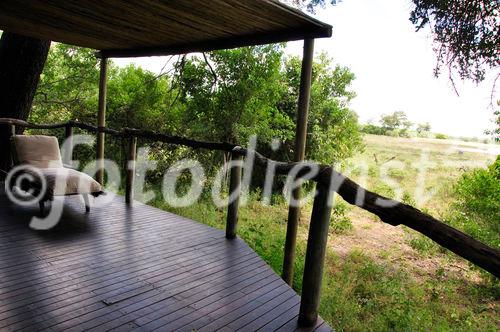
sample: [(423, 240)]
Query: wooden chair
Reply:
[(42, 157)]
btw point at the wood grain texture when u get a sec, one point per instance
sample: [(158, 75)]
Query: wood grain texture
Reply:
[(121, 268), (149, 27)]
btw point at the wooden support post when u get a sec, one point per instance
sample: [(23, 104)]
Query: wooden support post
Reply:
[(299, 153), (130, 170), (234, 189), (101, 120), (11, 159), (86, 199), (68, 154), (315, 255)]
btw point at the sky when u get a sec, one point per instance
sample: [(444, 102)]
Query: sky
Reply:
[(394, 68)]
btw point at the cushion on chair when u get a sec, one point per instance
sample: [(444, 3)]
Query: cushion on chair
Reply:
[(42, 152), (66, 181), (37, 150)]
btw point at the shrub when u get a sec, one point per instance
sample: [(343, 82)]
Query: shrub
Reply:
[(340, 223), (477, 207), (373, 129), (441, 136)]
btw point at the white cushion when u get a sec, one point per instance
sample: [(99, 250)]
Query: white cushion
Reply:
[(38, 151), (66, 181)]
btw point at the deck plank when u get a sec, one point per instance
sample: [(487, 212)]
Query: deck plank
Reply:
[(121, 269)]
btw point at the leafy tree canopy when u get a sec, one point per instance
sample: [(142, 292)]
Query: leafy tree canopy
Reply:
[(254, 91), (395, 121), (229, 96), (495, 133), (423, 127), (466, 33)]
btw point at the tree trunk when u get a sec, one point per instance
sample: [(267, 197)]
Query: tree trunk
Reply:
[(21, 62)]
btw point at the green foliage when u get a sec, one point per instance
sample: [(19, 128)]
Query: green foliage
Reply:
[(424, 129), (229, 96), (495, 133), (360, 294), (235, 97), (396, 124), (476, 210), (440, 136), (254, 91), (333, 127), (137, 99), (68, 85), (424, 245), (340, 223), (68, 89), (373, 129), (466, 33)]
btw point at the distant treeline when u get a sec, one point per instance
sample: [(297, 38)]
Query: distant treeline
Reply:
[(398, 125)]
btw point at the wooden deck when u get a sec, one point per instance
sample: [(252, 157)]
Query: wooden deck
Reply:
[(121, 268)]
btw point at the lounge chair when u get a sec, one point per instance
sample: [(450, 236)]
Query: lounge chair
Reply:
[(42, 155)]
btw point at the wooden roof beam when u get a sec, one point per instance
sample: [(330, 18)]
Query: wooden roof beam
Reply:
[(218, 44)]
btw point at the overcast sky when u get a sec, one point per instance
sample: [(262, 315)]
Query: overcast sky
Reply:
[(393, 67)]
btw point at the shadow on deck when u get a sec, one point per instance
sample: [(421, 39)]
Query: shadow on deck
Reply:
[(120, 268)]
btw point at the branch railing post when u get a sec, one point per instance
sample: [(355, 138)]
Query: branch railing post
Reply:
[(101, 120), (234, 196), (68, 143), (299, 154), (315, 255), (130, 170)]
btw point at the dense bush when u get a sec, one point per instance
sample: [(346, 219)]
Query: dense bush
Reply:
[(373, 129), (379, 130), (477, 207)]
